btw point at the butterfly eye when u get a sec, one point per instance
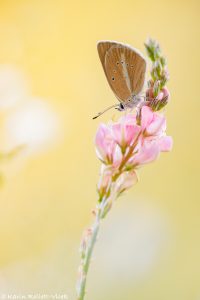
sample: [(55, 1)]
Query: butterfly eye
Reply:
[(122, 62), (121, 106), (113, 78)]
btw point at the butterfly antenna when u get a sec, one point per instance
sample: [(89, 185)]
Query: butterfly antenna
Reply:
[(102, 112)]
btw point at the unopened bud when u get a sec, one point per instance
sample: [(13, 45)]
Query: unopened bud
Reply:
[(163, 61), (125, 181), (158, 68), (161, 100), (103, 187), (156, 88)]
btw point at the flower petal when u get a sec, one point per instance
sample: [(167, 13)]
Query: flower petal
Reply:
[(105, 145), (146, 116), (147, 153), (166, 143), (117, 133), (125, 181), (157, 126)]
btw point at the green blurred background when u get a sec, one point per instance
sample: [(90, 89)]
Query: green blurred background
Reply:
[(149, 245)]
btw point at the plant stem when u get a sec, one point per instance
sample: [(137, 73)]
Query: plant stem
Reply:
[(126, 158), (87, 258), (103, 209)]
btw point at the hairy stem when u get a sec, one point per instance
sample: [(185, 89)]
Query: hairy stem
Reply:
[(87, 259)]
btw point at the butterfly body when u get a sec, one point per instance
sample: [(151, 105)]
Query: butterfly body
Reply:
[(130, 103), (125, 69)]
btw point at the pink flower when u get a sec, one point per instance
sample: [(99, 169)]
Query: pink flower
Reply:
[(152, 123), (105, 144), (124, 145), (154, 139), (147, 152), (154, 126), (125, 131)]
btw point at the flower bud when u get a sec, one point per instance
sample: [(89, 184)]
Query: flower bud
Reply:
[(158, 68), (156, 88), (103, 186), (163, 61), (125, 181), (158, 102)]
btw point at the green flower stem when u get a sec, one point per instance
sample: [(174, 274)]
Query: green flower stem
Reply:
[(102, 210), (87, 258)]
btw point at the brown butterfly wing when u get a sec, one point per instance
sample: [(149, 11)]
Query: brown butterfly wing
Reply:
[(116, 72), (136, 65), (124, 68), (103, 47)]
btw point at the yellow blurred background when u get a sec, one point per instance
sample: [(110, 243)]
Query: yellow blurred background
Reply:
[(149, 245)]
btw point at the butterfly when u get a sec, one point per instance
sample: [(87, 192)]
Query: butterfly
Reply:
[(125, 69)]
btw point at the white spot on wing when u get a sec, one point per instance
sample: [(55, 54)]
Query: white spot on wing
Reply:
[(125, 72)]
